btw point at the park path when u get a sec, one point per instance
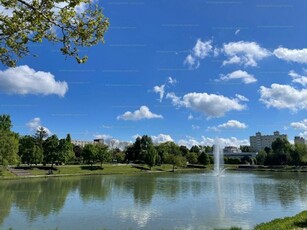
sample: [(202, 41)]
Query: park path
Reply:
[(19, 172)]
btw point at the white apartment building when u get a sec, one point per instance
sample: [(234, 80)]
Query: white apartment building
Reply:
[(259, 142), (81, 143)]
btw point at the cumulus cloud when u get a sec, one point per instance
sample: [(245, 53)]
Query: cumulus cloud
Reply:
[(36, 124), (284, 97), (291, 55), (297, 78), (142, 113), (233, 141), (239, 74), (160, 90), (201, 50), (300, 125), (24, 80), (244, 53), (211, 105), (161, 138), (233, 124)]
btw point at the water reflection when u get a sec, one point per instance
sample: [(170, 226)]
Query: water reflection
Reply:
[(154, 201)]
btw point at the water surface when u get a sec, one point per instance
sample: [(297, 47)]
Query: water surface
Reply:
[(151, 201)]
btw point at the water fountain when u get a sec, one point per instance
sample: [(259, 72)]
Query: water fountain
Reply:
[(218, 158)]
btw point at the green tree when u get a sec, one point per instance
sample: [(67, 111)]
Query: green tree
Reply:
[(192, 157), (176, 160), (51, 153), (89, 153), (261, 157), (103, 155), (8, 142), (5, 122), (151, 157), (195, 149), (204, 158), (24, 22), (29, 152), (65, 151), (299, 155), (281, 149)]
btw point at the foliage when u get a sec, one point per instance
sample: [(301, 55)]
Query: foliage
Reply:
[(29, 151), (71, 23), (261, 157), (8, 142), (103, 155), (51, 154), (89, 153), (297, 222), (204, 158), (192, 157)]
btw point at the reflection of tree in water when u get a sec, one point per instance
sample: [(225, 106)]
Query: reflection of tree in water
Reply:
[(40, 197), (95, 187), (142, 187), (6, 199), (283, 188)]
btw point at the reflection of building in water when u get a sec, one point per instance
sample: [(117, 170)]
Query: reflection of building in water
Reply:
[(259, 142), (300, 140)]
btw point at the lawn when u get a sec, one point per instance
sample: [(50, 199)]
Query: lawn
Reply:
[(288, 223)]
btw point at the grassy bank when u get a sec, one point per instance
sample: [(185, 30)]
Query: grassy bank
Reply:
[(289, 223), (79, 170)]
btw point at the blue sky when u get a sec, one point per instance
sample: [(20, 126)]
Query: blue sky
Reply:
[(181, 70)]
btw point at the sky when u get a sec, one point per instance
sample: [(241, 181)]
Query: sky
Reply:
[(187, 71)]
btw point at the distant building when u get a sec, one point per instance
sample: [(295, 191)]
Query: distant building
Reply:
[(259, 142), (81, 143), (299, 140), (232, 149), (99, 140)]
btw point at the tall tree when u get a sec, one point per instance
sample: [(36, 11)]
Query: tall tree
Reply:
[(72, 23), (29, 152), (5, 122), (51, 154), (8, 142), (89, 153), (103, 154), (281, 149)]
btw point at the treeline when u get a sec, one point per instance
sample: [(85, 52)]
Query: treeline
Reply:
[(43, 149), (282, 152)]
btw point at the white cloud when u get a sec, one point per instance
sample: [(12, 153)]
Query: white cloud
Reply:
[(239, 74), (211, 105), (142, 113), (244, 53), (297, 78), (111, 142), (233, 141), (301, 125), (237, 31), (233, 124), (291, 55), (191, 62), (160, 90), (36, 124), (284, 97), (161, 138), (241, 97), (172, 81), (24, 80), (200, 51)]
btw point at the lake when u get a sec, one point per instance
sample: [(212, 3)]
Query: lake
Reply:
[(152, 201)]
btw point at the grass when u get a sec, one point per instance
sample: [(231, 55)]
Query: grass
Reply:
[(288, 223), (5, 173), (106, 169)]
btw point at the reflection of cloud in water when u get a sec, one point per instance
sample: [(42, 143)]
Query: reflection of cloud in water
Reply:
[(139, 215)]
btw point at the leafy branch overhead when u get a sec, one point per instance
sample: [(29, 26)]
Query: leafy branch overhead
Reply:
[(72, 23)]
